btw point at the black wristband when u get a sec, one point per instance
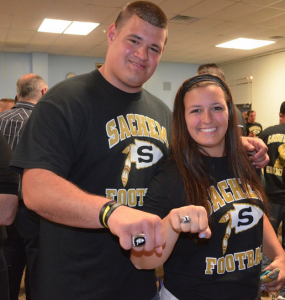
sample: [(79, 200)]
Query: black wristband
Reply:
[(110, 211), (104, 211)]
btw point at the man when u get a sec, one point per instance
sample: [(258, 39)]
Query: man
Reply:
[(215, 70), (30, 89), (8, 208), (102, 133), (274, 138), (253, 129), (6, 104), (94, 136)]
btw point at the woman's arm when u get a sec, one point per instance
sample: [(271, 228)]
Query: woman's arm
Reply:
[(272, 248), (172, 228)]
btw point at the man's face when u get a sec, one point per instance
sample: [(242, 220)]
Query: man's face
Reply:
[(281, 118), (251, 118), (134, 53)]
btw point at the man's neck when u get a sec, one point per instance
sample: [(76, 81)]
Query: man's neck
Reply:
[(27, 100)]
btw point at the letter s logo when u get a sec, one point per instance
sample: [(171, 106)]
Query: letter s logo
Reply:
[(145, 154), (245, 216), (248, 218)]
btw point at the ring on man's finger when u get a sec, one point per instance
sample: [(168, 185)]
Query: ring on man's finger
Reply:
[(139, 240), (185, 219)]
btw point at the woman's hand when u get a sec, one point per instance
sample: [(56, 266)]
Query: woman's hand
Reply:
[(198, 220)]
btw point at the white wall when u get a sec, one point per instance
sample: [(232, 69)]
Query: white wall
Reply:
[(12, 67), (268, 84), (169, 72), (54, 68)]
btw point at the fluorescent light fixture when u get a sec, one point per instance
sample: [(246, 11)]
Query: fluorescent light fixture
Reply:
[(81, 28), (245, 44), (54, 26)]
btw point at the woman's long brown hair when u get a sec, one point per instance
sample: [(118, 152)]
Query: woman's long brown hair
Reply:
[(189, 158)]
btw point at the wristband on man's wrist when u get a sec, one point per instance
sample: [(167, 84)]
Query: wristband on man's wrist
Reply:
[(106, 211)]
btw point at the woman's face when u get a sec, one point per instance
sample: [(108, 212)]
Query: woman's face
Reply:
[(206, 116)]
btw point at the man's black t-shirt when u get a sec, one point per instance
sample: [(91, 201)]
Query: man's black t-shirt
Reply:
[(108, 143), (254, 128), (274, 138), (8, 179)]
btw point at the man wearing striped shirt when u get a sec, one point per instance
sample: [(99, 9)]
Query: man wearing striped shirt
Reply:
[(30, 89)]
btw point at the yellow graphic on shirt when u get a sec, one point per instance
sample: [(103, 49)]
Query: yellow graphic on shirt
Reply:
[(144, 154), (243, 217), (279, 162), (255, 130), (133, 125)]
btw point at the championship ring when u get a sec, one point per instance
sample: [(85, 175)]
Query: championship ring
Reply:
[(139, 240), (185, 219)]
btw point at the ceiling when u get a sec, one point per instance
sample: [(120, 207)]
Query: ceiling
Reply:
[(214, 22)]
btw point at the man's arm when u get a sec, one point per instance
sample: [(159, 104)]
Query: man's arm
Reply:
[(8, 208), (257, 151), (60, 201), (172, 228), (272, 248)]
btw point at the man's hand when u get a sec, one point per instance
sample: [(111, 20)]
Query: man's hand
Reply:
[(126, 222), (257, 151), (277, 284), (252, 134)]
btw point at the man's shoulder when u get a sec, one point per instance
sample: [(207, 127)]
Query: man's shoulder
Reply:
[(76, 81), (275, 129), (155, 101)]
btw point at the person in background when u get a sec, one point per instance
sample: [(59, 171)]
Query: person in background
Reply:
[(93, 143), (216, 70), (244, 113), (274, 138), (206, 184), (8, 208), (253, 129), (6, 104), (22, 234)]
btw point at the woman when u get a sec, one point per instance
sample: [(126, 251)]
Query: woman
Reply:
[(209, 180)]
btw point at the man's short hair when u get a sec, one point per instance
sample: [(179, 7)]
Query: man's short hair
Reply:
[(5, 103), (30, 87), (249, 112), (7, 100), (211, 69), (145, 10), (282, 108)]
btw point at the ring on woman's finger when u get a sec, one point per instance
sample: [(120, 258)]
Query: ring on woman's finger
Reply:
[(185, 219), (139, 240)]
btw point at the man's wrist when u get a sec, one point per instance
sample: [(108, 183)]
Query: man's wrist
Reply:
[(106, 211)]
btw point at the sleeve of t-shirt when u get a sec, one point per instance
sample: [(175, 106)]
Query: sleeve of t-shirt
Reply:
[(48, 140), (263, 136), (8, 179), (165, 191)]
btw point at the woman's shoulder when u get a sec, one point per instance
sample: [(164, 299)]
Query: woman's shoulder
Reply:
[(168, 168)]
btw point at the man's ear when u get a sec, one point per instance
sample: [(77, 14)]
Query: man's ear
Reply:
[(111, 33), (44, 90)]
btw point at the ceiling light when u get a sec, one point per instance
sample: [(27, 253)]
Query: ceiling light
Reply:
[(81, 28), (54, 26), (245, 44)]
